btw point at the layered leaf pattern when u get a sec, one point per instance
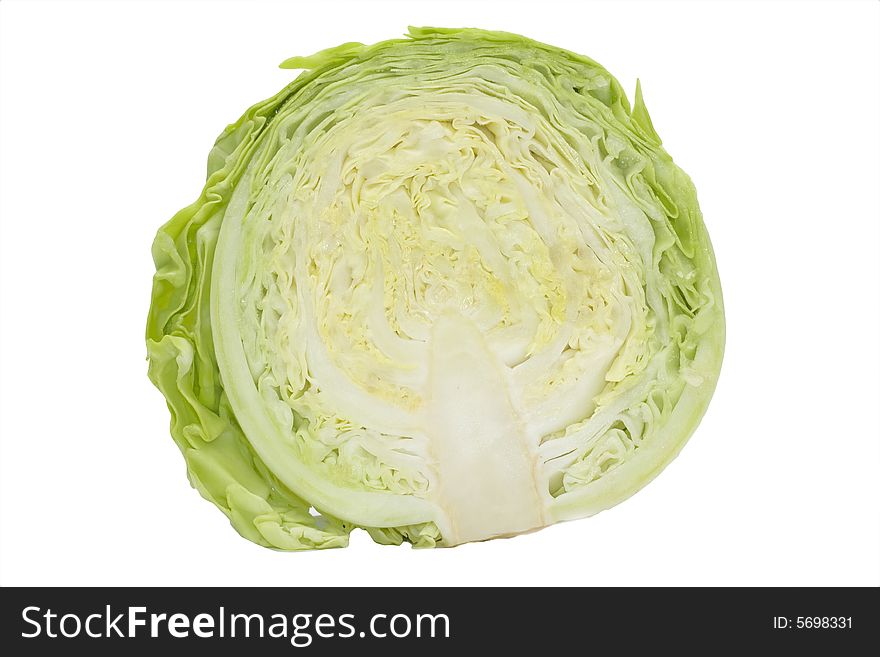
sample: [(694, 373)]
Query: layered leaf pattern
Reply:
[(445, 288)]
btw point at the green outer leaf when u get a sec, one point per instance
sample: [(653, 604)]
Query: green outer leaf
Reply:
[(180, 348)]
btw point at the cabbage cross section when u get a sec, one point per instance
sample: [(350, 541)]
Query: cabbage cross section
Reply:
[(444, 288)]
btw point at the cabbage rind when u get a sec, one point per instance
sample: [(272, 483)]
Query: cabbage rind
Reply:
[(445, 288)]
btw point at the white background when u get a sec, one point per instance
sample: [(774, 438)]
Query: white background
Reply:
[(107, 113)]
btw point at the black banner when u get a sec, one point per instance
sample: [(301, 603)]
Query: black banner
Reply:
[(330, 620)]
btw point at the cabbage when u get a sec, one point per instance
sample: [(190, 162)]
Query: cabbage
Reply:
[(443, 288)]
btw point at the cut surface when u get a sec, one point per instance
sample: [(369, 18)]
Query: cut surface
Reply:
[(445, 288)]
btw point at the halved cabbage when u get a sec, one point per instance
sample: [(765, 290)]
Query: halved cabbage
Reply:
[(445, 288)]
